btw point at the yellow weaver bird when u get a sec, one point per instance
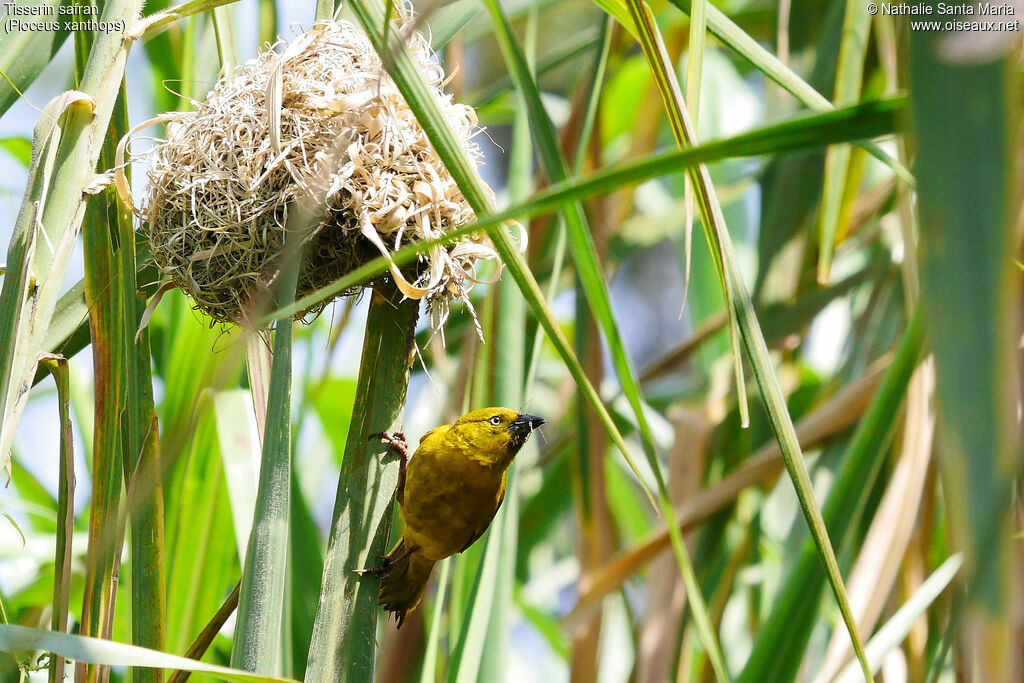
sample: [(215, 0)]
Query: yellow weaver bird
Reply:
[(448, 493)]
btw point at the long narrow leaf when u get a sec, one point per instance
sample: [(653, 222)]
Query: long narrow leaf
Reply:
[(510, 337), (780, 644), (108, 653), (586, 131), (65, 512), (104, 293), (850, 71), (430, 656), (158, 20), (565, 52), (591, 280), (69, 133), (745, 319), (694, 78), (342, 646), (140, 452), (450, 19), (201, 558), (899, 624), (202, 642), (258, 636), (466, 655), (966, 118), (22, 289), (803, 132)]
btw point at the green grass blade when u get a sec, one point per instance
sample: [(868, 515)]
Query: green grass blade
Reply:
[(780, 645), (258, 634), (466, 655), (167, 56), (226, 49), (849, 72), (68, 137), (695, 57), (307, 567), (146, 508), (325, 9), (342, 646), (136, 412), (583, 249), (664, 76), (810, 132), (484, 658), (422, 101), (451, 18), (895, 630), (710, 210), (592, 282), (586, 131), (124, 412), (68, 333), (58, 366), (465, 666), (202, 642), (267, 19), (617, 9), (202, 562), (744, 320), (429, 673), (582, 245), (25, 286), (105, 295), (240, 446), (694, 76), (107, 653), (482, 30), (568, 50), (584, 252), (158, 20), (69, 327), (966, 118)]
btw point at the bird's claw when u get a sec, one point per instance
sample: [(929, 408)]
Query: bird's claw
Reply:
[(382, 570), (396, 440), (372, 571)]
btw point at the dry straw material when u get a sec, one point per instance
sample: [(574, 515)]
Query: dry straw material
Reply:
[(317, 123)]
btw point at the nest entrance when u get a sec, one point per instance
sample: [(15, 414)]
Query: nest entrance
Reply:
[(320, 123)]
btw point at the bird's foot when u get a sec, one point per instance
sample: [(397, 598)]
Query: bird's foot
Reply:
[(383, 570), (396, 441)]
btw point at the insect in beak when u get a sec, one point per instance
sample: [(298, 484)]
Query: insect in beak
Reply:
[(524, 423)]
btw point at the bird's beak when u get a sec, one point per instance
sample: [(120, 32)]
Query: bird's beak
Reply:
[(524, 423)]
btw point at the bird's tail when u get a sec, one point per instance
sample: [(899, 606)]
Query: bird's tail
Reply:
[(404, 580)]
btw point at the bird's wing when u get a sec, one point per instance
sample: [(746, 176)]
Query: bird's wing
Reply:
[(477, 533), (434, 433)]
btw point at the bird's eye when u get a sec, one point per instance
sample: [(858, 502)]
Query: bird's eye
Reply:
[(496, 420)]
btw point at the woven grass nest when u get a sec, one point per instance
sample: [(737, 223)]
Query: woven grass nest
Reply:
[(318, 121)]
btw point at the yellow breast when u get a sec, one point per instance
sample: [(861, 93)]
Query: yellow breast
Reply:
[(450, 496)]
